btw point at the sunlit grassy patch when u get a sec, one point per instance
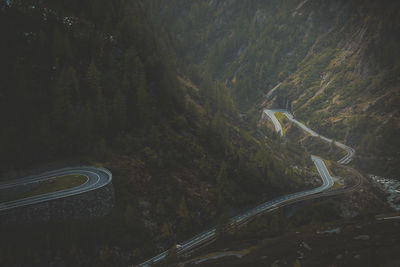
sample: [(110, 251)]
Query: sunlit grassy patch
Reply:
[(282, 120)]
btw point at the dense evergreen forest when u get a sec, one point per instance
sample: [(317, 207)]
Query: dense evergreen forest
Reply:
[(76, 77), (99, 82), (168, 96)]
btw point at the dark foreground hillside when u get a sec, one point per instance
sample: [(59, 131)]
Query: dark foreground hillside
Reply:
[(168, 95), (97, 83)]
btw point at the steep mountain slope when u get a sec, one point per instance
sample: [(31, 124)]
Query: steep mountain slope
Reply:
[(75, 79), (97, 83), (313, 236), (101, 82), (336, 63)]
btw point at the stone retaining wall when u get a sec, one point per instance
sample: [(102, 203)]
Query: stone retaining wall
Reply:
[(94, 203)]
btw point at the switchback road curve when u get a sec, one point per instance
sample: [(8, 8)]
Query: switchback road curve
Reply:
[(96, 178), (271, 114)]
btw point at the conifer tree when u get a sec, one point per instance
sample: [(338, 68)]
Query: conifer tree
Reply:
[(119, 110), (143, 98), (62, 98), (223, 189), (93, 79), (101, 112), (183, 211)]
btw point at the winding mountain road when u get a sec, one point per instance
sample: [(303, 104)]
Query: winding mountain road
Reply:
[(271, 113), (327, 182), (275, 121), (206, 236), (96, 178)]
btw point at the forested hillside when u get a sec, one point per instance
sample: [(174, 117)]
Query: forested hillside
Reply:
[(98, 82), (168, 95), (76, 78), (335, 62)]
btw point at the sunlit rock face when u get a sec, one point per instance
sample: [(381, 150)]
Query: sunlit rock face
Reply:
[(391, 188)]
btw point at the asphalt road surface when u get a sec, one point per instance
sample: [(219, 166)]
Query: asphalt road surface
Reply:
[(327, 182), (96, 178), (206, 236), (350, 151), (271, 115)]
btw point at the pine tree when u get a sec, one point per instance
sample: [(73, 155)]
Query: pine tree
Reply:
[(119, 110), (95, 90), (222, 181), (101, 113), (85, 127), (93, 79), (172, 255), (222, 215), (276, 222), (129, 216), (66, 98), (221, 136), (165, 231), (62, 99), (183, 211), (223, 189), (143, 98)]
